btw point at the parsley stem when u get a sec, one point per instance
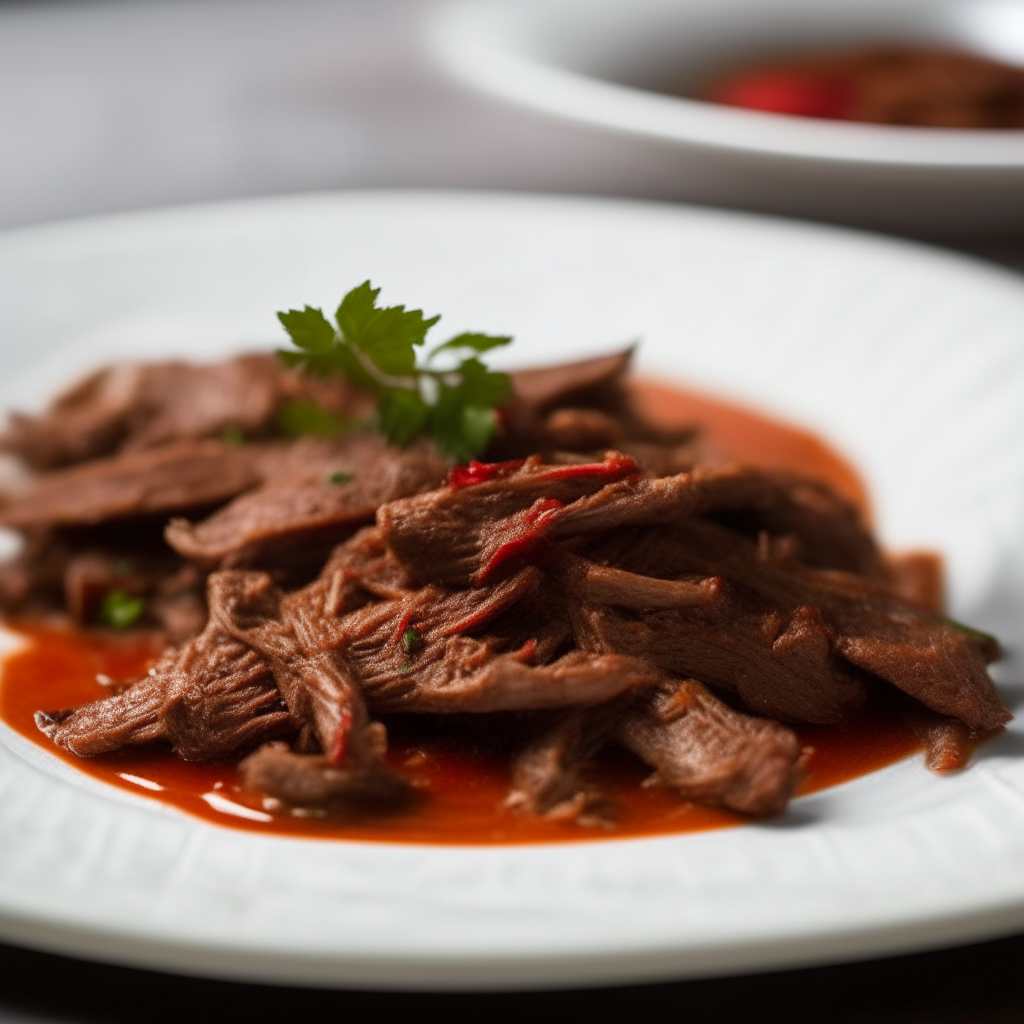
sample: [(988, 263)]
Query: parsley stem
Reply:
[(385, 380)]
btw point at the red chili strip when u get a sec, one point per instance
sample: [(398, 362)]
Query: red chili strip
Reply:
[(345, 724), (614, 467), (529, 529), (481, 472), (527, 653)]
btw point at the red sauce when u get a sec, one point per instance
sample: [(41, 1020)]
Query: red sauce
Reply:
[(894, 85), (460, 784)]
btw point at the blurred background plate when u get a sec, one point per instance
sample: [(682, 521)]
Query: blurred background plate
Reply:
[(872, 343), (602, 62)]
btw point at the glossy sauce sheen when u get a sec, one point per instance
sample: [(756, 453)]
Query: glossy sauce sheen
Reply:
[(459, 784)]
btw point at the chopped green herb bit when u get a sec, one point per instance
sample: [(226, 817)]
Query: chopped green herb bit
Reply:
[(405, 666), (450, 396), (306, 417), (339, 478), (120, 610), (410, 640), (233, 435), (975, 634)]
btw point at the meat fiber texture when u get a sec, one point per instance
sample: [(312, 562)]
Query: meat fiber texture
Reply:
[(690, 619), (143, 478)]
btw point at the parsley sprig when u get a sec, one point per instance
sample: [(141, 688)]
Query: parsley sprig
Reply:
[(449, 395)]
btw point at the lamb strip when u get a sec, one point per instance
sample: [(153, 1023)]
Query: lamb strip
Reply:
[(182, 476), (711, 754), (320, 493)]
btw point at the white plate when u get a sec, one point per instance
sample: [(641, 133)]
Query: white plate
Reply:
[(909, 360), (602, 63)]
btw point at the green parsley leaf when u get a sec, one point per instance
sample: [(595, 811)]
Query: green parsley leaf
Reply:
[(388, 336), (974, 634), (410, 640), (375, 347), (402, 416), (120, 610), (306, 417), (339, 478), (233, 435), (476, 342), (308, 328)]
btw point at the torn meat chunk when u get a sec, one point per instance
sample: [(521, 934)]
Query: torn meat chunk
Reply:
[(711, 754), (316, 687), (827, 530), (459, 534), (780, 635), (566, 384), (548, 773), (179, 477), (319, 493), (211, 699), (125, 719), (310, 780)]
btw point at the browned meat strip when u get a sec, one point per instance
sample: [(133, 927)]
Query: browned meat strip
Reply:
[(505, 683), (186, 475), (303, 780), (133, 406), (316, 686), (917, 576), (711, 754), (457, 535), (828, 529), (321, 492), (586, 408), (806, 685), (178, 604), (209, 700), (124, 719), (582, 430), (549, 387), (85, 422), (225, 705), (948, 742), (596, 584), (779, 635), (548, 772)]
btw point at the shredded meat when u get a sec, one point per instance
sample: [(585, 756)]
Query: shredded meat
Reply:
[(599, 586)]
